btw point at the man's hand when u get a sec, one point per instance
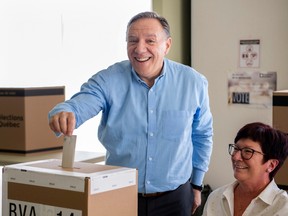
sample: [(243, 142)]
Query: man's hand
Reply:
[(63, 122), (197, 200)]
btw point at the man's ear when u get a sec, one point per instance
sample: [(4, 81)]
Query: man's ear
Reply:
[(168, 45)]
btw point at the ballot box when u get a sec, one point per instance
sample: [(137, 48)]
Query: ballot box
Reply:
[(44, 188), (280, 121), (24, 119)]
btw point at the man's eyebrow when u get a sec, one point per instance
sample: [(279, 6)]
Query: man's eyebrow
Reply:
[(151, 34)]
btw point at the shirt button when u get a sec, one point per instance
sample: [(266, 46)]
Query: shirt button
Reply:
[(150, 158), (148, 182), (151, 134), (151, 111)]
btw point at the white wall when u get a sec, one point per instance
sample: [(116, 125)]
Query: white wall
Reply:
[(63, 42), (217, 27)]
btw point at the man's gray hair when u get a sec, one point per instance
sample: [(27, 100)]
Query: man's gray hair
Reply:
[(151, 15)]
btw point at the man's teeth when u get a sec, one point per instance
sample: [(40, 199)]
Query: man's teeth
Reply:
[(142, 59)]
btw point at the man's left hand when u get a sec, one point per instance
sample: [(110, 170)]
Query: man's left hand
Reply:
[(197, 200)]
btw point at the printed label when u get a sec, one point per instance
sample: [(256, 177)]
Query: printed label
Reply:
[(19, 208), (11, 121)]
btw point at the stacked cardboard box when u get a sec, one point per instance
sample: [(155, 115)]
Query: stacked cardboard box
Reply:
[(280, 121), (23, 119)]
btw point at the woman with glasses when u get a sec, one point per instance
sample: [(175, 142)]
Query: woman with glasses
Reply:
[(257, 154)]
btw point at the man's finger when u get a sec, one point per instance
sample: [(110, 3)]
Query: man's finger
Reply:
[(71, 122)]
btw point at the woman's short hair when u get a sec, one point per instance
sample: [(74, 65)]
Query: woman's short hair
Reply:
[(273, 142)]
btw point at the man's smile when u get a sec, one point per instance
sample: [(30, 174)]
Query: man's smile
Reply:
[(142, 59)]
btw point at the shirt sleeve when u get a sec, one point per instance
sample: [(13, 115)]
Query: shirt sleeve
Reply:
[(202, 132), (87, 103)]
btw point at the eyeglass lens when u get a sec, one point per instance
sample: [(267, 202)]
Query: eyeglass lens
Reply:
[(246, 153)]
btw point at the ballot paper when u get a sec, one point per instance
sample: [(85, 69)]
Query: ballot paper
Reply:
[(68, 154)]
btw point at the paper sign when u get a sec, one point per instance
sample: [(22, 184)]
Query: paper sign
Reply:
[(249, 53)]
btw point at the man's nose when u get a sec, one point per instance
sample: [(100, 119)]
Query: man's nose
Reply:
[(140, 47)]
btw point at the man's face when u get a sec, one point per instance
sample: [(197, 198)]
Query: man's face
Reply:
[(147, 44)]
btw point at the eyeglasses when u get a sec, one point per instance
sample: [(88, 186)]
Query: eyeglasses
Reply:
[(246, 153)]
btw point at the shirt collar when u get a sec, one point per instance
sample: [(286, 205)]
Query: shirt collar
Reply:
[(269, 193), (163, 72)]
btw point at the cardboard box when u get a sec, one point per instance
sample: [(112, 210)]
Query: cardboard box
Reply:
[(23, 119), (280, 122), (43, 188)]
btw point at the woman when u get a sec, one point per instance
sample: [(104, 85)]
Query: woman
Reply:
[(258, 153)]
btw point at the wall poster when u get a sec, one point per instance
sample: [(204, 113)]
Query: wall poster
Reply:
[(251, 88), (249, 53)]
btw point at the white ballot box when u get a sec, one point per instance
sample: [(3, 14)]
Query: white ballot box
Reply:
[(44, 188)]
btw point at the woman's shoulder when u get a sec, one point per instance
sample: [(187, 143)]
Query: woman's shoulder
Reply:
[(224, 190)]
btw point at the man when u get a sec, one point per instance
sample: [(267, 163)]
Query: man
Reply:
[(155, 117)]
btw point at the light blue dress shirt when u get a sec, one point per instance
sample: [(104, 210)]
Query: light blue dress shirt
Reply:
[(164, 131)]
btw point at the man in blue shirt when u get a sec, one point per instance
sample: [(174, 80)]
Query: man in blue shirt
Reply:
[(155, 117)]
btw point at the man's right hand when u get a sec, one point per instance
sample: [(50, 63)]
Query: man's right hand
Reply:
[(63, 122)]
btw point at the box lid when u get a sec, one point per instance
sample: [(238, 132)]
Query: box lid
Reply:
[(280, 92), (32, 91), (280, 98), (49, 173)]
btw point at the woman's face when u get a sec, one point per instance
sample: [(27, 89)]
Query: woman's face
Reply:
[(254, 170)]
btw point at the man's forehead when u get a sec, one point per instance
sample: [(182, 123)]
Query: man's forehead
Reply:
[(147, 31), (146, 24), (137, 33)]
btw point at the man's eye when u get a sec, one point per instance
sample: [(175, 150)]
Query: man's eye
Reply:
[(132, 41), (151, 41)]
